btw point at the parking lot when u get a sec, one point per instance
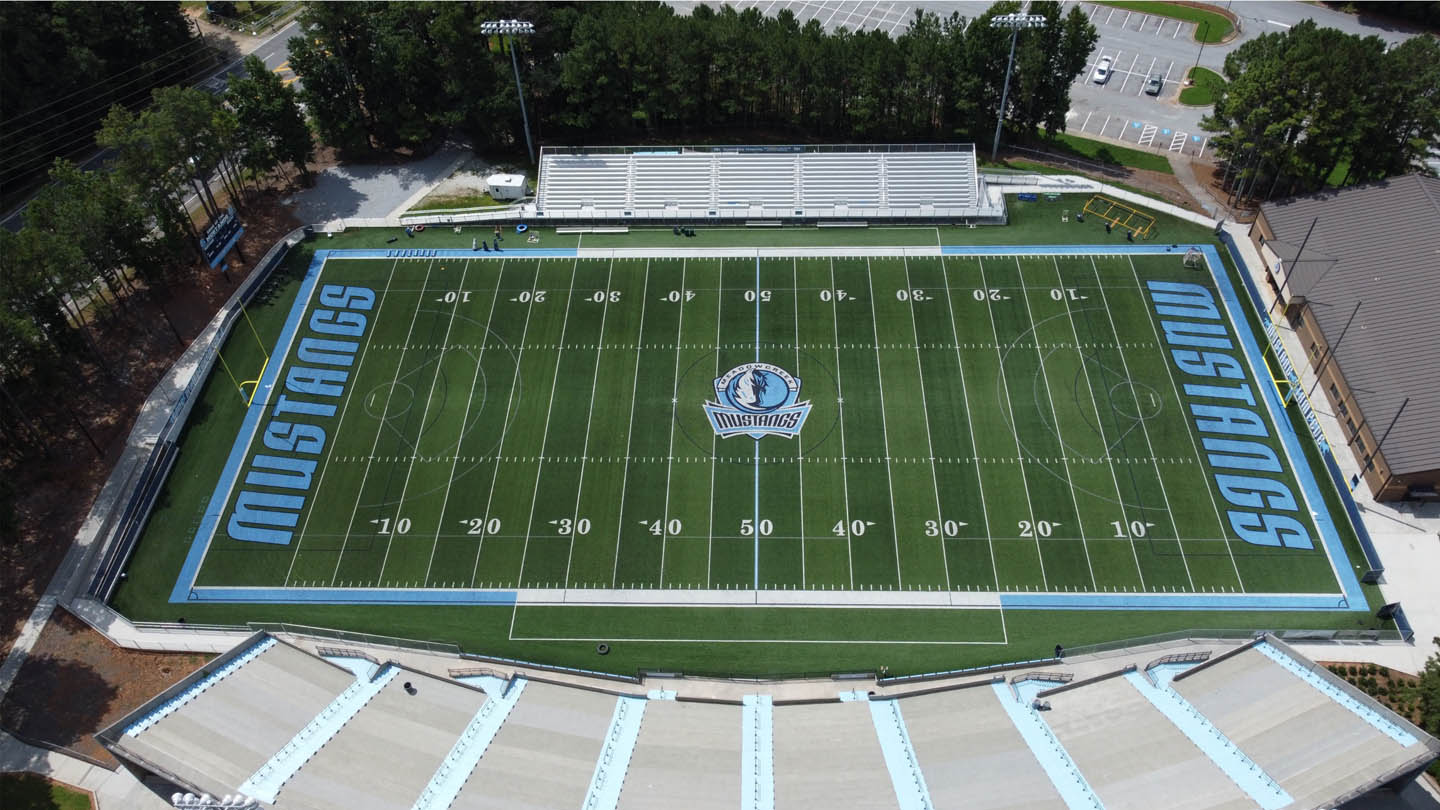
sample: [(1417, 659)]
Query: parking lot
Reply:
[(1139, 46)]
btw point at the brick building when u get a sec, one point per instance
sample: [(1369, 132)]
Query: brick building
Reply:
[(1358, 272)]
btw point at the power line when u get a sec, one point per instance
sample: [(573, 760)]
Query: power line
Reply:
[(188, 43), (98, 100)]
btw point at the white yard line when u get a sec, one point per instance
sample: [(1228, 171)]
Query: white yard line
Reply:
[(1055, 418), (424, 417), (1100, 424), (545, 434), (1014, 429), (589, 415), (929, 439), (380, 425), (714, 437), (630, 431), (465, 415), (505, 424), (970, 424), (1143, 427), (1175, 389), (840, 401), (884, 429), (799, 439), (674, 407), (339, 424)]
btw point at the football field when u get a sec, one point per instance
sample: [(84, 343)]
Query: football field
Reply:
[(449, 427)]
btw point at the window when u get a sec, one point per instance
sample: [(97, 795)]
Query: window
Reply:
[(1360, 445), (1299, 319), (1350, 423), (1314, 350)]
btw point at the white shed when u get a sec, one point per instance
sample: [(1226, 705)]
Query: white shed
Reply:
[(506, 186)]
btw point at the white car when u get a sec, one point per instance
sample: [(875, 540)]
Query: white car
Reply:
[(1102, 70)]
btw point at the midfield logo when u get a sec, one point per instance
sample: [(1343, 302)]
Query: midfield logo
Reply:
[(757, 400)]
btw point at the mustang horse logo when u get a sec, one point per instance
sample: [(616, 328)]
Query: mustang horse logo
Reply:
[(757, 400)]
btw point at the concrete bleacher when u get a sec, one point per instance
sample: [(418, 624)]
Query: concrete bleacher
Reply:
[(688, 755), (1306, 741), (226, 733), (1132, 756), (388, 750), (826, 755), (1252, 727), (544, 755), (973, 756)]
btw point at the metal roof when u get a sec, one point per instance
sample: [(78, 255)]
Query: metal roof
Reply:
[(1376, 245)]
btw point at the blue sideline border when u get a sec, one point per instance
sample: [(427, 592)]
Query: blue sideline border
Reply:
[(1352, 598)]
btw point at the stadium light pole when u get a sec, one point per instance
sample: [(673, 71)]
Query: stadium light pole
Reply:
[(512, 29), (1014, 22)]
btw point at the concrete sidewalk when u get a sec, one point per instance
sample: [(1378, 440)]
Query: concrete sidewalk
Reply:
[(112, 790)]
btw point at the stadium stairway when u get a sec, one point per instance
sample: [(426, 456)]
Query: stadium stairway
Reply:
[(905, 774), (1055, 761), (457, 766), (1242, 770), (757, 752), (614, 760), (266, 782)]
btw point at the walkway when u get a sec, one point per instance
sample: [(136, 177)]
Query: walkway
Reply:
[(113, 790)]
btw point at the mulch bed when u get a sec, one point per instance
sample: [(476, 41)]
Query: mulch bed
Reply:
[(76, 682)]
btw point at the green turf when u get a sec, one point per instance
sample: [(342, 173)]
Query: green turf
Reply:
[(1210, 27), (560, 442), (488, 630)]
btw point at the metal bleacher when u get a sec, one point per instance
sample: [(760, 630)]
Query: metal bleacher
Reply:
[(811, 184)]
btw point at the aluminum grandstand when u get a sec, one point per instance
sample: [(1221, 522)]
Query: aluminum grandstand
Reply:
[(758, 185), (1191, 724)]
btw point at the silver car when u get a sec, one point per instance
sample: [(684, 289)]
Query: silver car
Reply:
[(1102, 70)]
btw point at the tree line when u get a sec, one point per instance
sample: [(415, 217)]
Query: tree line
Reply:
[(1312, 106), (62, 66), (91, 238), (381, 75)]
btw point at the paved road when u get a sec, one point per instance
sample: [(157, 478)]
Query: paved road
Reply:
[(1139, 44)]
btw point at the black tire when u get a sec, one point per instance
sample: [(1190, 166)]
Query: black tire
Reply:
[(602, 648)]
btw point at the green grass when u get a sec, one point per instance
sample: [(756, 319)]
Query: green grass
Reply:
[(457, 202), (489, 630), (28, 791), (1112, 154), (1210, 27), (1206, 90)]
